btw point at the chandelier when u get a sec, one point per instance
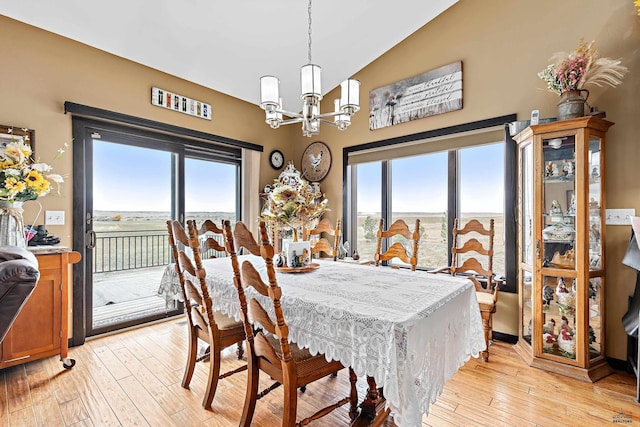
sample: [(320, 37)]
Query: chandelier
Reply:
[(311, 94)]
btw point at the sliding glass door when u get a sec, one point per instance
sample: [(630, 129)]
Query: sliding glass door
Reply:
[(131, 204), (133, 181)]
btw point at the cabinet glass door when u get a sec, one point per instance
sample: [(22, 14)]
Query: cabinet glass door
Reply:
[(559, 202), (527, 248), (595, 296), (595, 214), (558, 316), (558, 296)]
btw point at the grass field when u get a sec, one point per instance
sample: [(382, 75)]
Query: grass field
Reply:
[(433, 245), (432, 251)]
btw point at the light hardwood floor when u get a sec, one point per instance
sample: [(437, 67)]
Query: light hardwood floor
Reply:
[(133, 378)]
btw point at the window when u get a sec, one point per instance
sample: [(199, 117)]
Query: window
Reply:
[(419, 191), (369, 202), (435, 176), (481, 192)]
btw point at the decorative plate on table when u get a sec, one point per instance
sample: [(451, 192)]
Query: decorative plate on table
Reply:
[(306, 269)]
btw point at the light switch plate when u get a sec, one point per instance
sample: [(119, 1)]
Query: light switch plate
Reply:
[(619, 216), (54, 217)]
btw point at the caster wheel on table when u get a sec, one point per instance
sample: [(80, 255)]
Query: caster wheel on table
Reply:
[(68, 363)]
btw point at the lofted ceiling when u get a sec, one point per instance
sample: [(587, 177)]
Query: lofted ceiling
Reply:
[(227, 45)]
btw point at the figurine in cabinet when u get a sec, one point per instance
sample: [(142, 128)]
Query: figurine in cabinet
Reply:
[(556, 208), (547, 342), (549, 327), (566, 298), (571, 210), (547, 297), (567, 167), (567, 343), (548, 169)]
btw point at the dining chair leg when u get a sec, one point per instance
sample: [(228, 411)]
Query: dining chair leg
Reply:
[(353, 396), (212, 383), (191, 359), (486, 324), (290, 404), (251, 396), (240, 350)]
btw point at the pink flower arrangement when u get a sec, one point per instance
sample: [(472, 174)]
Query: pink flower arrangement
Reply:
[(570, 72), (579, 68)]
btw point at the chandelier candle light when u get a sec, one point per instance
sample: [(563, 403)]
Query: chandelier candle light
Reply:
[(311, 94)]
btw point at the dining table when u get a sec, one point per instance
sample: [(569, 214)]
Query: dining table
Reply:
[(409, 331)]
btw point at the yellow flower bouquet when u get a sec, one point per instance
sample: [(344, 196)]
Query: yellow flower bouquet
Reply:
[(21, 178)]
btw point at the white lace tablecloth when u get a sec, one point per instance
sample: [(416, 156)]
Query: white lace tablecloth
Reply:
[(411, 331)]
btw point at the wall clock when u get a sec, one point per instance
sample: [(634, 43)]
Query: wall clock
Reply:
[(316, 161), (276, 159)]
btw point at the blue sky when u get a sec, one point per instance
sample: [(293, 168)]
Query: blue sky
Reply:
[(129, 178), (137, 179), (420, 182)]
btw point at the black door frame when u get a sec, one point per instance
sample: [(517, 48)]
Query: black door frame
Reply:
[(172, 138)]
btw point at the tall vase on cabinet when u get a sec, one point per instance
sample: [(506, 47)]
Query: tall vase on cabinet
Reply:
[(12, 224), (572, 104)]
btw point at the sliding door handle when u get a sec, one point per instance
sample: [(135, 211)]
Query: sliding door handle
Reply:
[(90, 239)]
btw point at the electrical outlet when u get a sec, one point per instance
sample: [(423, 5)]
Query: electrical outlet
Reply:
[(54, 217), (619, 216)]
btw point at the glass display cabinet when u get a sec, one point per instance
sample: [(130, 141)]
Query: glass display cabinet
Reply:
[(561, 247)]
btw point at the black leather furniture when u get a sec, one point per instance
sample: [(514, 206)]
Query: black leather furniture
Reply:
[(631, 319), (18, 277)]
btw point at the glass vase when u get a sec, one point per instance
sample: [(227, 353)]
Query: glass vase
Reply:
[(12, 224)]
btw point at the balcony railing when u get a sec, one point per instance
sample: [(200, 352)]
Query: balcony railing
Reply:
[(129, 250)]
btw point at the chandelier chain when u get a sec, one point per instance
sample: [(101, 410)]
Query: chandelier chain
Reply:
[(309, 12), (310, 116)]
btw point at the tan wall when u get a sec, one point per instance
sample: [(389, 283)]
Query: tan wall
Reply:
[(502, 45), (45, 70)]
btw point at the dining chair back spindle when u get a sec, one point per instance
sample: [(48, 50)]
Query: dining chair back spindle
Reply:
[(322, 243), (213, 327), (268, 346), (397, 249), (210, 245)]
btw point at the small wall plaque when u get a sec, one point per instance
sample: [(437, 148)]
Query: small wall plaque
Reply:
[(169, 100)]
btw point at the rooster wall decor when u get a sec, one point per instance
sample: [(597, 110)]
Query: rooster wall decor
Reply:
[(316, 161)]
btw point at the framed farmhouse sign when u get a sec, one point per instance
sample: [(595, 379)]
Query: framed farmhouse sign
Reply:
[(434, 92)]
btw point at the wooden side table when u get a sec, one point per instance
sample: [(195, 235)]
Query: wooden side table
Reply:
[(41, 328)]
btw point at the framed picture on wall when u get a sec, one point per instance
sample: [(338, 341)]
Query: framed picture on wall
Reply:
[(11, 133)]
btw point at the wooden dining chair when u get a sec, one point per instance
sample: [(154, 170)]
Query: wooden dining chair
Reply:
[(213, 327), (472, 259), (397, 249), (210, 245), (322, 244), (268, 346)]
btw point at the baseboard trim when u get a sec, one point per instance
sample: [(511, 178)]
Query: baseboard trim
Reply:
[(617, 364), (499, 336)]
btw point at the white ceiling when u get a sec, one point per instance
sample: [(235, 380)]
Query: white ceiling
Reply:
[(227, 45)]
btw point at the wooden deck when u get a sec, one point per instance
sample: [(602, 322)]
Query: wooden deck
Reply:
[(125, 295)]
